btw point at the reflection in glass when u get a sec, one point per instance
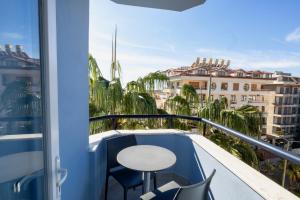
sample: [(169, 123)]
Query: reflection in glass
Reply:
[(21, 148), (20, 107)]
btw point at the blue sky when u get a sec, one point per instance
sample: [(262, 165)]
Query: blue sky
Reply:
[(19, 25), (253, 34)]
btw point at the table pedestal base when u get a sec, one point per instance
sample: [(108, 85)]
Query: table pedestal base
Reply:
[(146, 182)]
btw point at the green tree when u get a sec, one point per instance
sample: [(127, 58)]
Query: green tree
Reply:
[(191, 96), (246, 119), (293, 174), (178, 105), (153, 81), (211, 110)]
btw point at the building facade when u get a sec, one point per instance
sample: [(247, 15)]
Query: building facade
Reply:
[(17, 65), (275, 94)]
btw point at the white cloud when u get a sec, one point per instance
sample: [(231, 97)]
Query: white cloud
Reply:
[(12, 35), (108, 38), (136, 59), (293, 36), (255, 59), (134, 63)]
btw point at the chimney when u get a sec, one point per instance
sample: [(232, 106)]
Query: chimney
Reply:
[(216, 61), (8, 48), (198, 61), (222, 62), (19, 49), (228, 63)]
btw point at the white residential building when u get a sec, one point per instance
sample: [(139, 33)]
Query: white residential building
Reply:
[(275, 94)]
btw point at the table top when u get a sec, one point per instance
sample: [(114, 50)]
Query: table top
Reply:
[(14, 166), (146, 158)]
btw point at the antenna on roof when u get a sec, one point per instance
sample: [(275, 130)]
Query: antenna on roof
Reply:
[(115, 67)]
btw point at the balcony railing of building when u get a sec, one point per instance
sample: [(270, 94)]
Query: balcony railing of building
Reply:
[(170, 119)]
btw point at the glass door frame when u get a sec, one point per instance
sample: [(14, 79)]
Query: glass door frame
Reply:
[(49, 79)]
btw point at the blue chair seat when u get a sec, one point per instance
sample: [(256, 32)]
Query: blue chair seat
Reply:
[(127, 178)]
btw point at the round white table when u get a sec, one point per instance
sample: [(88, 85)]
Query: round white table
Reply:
[(147, 159)]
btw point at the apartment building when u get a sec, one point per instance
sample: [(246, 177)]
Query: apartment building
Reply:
[(17, 65), (19, 72), (275, 94)]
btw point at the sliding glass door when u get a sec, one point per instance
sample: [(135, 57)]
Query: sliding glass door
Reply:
[(22, 174)]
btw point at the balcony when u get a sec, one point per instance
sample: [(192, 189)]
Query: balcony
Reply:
[(196, 158)]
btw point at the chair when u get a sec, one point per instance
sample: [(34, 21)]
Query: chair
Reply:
[(173, 191), (125, 177)]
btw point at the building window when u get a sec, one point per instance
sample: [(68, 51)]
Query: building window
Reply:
[(213, 86), (240, 74), (262, 109), (264, 120), (294, 100), (236, 86), (246, 86), (252, 98), (244, 98), (233, 99), (202, 97), (278, 100), (5, 79), (221, 73), (293, 120), (202, 72), (281, 90), (253, 87), (194, 84), (224, 86), (295, 90)]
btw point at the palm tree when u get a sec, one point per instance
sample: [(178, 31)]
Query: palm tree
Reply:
[(293, 174), (139, 103), (178, 105), (212, 110), (18, 100), (246, 119), (153, 81), (98, 89), (108, 97), (191, 96), (234, 146)]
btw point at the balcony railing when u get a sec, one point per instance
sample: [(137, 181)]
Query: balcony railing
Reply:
[(170, 118)]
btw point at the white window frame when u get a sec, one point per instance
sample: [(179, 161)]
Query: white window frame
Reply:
[(50, 86)]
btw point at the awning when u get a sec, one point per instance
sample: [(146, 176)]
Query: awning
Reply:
[(176, 5)]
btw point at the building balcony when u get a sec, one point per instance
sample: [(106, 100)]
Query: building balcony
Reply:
[(196, 157), (233, 102), (284, 125), (286, 114), (256, 102), (285, 104)]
